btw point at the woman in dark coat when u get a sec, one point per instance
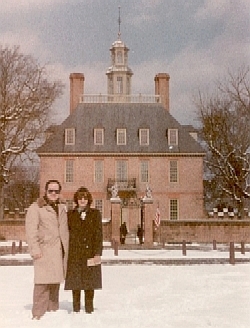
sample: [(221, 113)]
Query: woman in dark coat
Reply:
[(85, 250)]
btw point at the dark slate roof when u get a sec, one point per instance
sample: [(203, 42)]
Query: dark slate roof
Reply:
[(133, 117)]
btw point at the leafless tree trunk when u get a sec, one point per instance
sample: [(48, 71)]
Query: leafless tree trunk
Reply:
[(225, 128), (26, 97)]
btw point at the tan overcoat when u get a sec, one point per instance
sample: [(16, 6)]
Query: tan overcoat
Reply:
[(47, 234)]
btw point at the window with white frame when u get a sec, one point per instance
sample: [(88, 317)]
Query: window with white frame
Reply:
[(173, 137), (173, 209), (144, 137), (173, 171), (69, 204), (121, 136), (119, 57), (122, 170), (119, 85), (144, 171), (69, 170), (98, 136), (99, 205), (69, 136), (99, 171)]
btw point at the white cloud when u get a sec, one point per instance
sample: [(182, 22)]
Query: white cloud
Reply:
[(28, 41), (220, 8), (213, 8), (10, 6)]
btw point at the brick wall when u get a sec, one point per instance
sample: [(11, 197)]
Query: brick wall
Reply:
[(12, 229), (15, 230), (201, 231), (223, 231)]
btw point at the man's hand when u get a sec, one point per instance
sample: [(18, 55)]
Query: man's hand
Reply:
[(37, 256)]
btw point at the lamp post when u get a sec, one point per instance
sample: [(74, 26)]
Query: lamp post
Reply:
[(142, 206)]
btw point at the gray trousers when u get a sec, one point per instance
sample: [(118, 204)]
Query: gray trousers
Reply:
[(45, 298)]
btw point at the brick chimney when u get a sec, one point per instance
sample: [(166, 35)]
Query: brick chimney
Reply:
[(162, 88), (76, 89)]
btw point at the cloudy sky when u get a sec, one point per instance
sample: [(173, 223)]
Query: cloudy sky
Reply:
[(195, 41)]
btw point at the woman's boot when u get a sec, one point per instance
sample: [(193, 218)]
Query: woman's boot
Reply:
[(76, 300), (89, 298)]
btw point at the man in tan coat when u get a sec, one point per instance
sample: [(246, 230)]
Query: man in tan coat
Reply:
[(47, 237)]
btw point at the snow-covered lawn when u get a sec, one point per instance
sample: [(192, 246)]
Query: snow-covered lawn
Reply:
[(141, 296)]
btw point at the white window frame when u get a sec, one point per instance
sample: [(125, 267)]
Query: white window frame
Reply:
[(69, 204), (122, 170), (173, 209), (119, 81), (70, 136), (119, 57), (121, 136), (69, 170), (99, 173), (144, 171), (99, 205), (173, 137), (98, 136), (173, 171), (144, 137)]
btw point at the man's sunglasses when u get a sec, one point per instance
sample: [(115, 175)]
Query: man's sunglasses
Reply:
[(50, 191)]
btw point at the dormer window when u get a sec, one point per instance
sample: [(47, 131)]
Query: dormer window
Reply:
[(69, 136), (173, 137), (144, 137), (98, 136), (121, 136)]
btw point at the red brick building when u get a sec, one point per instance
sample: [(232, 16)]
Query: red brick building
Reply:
[(131, 141)]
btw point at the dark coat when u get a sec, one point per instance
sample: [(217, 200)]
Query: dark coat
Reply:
[(85, 241)]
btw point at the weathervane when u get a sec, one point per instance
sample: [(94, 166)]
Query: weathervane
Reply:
[(119, 22)]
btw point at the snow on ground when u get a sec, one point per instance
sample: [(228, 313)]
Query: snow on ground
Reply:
[(136, 296)]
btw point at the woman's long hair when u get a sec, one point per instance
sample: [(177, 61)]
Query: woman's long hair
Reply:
[(83, 192)]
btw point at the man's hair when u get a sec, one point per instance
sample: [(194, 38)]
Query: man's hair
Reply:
[(52, 181)]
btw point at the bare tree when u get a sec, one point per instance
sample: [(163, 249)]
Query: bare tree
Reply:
[(26, 97), (225, 128), (23, 187)]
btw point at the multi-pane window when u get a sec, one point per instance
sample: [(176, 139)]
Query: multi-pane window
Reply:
[(173, 171), (69, 170), (98, 136), (174, 210), (121, 136), (173, 137), (69, 204), (119, 57), (99, 205), (144, 137), (122, 170), (99, 171), (144, 171), (69, 136), (119, 85)]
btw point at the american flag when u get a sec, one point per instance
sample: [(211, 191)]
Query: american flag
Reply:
[(157, 217)]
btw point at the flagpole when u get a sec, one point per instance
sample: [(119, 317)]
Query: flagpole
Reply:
[(159, 225)]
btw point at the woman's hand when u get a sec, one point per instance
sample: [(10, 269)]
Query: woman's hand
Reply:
[(96, 260)]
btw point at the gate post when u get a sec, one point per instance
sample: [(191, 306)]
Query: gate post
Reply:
[(231, 253), (115, 218), (148, 221)]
